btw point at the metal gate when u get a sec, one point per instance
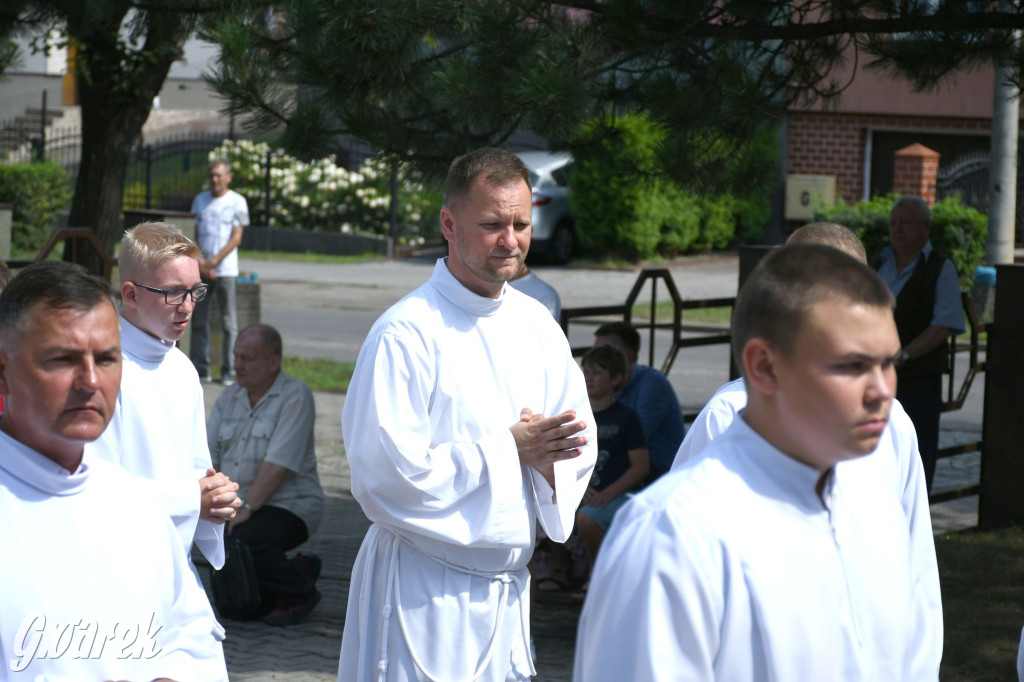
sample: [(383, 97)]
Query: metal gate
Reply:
[(968, 177)]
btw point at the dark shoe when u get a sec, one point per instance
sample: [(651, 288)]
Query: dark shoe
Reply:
[(310, 565), (206, 378), (293, 613), (227, 379)]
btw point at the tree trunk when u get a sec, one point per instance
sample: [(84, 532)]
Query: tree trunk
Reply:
[(116, 96)]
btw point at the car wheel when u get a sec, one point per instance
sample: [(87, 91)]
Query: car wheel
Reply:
[(561, 244)]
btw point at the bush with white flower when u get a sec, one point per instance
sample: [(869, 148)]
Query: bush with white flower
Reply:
[(325, 197)]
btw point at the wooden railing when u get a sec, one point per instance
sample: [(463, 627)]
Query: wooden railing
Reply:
[(75, 234)]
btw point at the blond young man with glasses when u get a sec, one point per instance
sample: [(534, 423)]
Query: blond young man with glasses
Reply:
[(158, 429)]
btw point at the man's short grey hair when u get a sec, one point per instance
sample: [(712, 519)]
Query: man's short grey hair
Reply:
[(916, 204), (148, 245), (495, 166), (269, 337), (55, 284), (219, 162)]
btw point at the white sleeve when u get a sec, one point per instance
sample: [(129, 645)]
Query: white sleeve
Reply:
[(557, 513), (189, 648), (717, 416), (209, 537), (461, 492), (914, 500), (654, 606)]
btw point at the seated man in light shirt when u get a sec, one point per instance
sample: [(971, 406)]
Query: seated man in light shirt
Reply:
[(261, 434)]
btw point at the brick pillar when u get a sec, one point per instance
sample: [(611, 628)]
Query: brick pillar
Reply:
[(914, 171)]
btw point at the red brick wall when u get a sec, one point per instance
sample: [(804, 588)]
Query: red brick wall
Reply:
[(833, 144), (915, 170)]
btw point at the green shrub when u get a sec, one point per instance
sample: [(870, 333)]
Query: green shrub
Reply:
[(961, 233), (616, 187), (719, 226), (958, 231), (628, 187), (39, 192), (682, 223), (752, 213)]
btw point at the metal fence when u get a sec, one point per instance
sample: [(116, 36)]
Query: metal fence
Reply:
[(166, 173), (685, 335)]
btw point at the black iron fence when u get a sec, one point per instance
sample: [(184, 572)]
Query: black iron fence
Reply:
[(166, 173)]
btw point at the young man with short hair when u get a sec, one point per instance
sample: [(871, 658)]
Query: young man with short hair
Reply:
[(895, 464), (763, 559), (158, 429)]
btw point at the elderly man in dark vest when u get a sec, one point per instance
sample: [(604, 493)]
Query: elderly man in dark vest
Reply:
[(928, 311)]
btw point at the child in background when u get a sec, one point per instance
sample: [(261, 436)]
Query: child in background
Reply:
[(622, 459)]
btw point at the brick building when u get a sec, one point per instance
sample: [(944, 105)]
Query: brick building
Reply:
[(854, 138)]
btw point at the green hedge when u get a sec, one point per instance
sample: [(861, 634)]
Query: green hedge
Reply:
[(617, 193), (39, 192), (629, 205), (958, 231)]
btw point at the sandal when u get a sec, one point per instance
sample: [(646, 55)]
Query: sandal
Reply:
[(557, 581)]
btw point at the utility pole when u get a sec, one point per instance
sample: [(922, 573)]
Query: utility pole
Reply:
[(1002, 204)]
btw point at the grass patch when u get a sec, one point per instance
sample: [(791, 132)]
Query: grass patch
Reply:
[(982, 578), (308, 257), (321, 374), (720, 316)]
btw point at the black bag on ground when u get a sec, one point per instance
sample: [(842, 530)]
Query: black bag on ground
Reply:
[(236, 592)]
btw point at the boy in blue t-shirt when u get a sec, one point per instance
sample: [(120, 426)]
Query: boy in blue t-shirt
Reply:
[(622, 458)]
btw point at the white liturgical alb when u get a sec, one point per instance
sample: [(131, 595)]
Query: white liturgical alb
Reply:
[(440, 586)]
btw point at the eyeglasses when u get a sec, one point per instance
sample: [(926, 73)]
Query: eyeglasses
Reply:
[(177, 296)]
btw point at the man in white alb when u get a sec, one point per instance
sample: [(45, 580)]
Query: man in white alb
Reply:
[(466, 423), (763, 559), (221, 216), (158, 428), (894, 465), (94, 583)]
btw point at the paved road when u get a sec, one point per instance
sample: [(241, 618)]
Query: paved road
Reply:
[(325, 311)]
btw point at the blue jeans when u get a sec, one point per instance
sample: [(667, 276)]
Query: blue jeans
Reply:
[(603, 515), (224, 288)]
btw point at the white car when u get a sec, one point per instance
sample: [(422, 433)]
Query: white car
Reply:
[(553, 230)]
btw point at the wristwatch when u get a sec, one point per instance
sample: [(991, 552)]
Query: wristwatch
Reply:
[(246, 505)]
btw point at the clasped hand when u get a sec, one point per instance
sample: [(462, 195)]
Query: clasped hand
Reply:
[(218, 497), (545, 440)]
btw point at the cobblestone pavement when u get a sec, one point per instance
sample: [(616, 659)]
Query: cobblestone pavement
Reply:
[(306, 652)]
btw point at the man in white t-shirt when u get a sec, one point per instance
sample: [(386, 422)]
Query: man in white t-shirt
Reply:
[(221, 215)]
